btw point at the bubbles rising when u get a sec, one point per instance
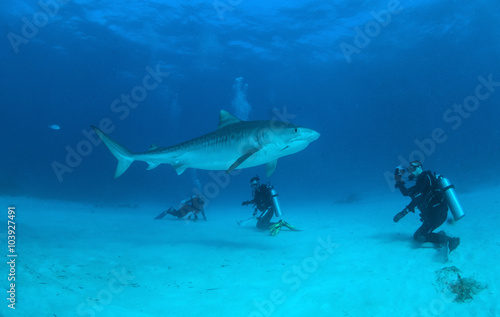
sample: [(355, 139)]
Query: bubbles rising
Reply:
[(240, 103)]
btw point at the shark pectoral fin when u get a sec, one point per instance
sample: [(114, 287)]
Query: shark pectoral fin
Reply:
[(241, 159), (152, 165), (270, 167), (179, 168)]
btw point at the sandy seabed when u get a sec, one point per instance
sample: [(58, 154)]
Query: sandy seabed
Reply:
[(75, 259)]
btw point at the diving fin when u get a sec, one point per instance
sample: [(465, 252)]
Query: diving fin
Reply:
[(289, 226), (163, 214), (160, 216), (275, 229)]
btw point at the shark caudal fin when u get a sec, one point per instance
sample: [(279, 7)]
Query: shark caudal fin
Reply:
[(124, 156)]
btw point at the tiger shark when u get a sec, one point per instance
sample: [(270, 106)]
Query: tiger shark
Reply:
[(234, 145)]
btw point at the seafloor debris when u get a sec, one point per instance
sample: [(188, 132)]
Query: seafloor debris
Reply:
[(449, 279)]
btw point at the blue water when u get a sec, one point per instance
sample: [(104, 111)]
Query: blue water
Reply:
[(378, 80)]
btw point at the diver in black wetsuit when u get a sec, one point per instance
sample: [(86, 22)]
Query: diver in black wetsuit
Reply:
[(262, 200), (426, 195), (192, 205)]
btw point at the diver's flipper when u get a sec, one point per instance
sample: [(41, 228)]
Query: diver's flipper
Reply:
[(242, 158), (289, 226), (452, 244), (163, 214), (275, 229)]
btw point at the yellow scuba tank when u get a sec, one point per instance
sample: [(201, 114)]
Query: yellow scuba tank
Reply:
[(451, 198), (276, 205)]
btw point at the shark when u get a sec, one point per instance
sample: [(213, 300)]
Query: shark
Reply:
[(236, 144)]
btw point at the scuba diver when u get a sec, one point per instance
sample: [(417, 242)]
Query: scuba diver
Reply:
[(192, 206), (265, 200), (429, 197)]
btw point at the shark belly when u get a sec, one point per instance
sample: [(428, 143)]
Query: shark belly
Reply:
[(219, 161), (218, 157)]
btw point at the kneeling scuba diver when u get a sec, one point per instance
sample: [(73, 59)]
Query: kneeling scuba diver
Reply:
[(432, 195), (265, 200)]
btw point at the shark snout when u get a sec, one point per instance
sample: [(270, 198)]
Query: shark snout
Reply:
[(310, 134)]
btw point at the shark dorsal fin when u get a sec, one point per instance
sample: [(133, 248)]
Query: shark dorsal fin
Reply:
[(225, 118)]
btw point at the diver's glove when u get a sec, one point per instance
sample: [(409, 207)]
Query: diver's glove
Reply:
[(401, 214), (275, 229), (245, 203)]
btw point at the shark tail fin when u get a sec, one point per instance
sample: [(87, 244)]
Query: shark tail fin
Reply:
[(124, 156)]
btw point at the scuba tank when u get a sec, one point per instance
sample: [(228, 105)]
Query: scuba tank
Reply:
[(276, 205), (451, 198), (187, 200)]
